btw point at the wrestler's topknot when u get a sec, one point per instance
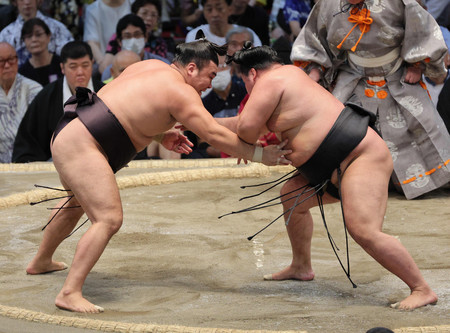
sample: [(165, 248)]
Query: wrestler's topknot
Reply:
[(200, 52), (249, 57)]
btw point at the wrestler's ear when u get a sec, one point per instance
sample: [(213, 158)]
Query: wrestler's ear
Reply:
[(191, 69), (252, 74), (62, 68)]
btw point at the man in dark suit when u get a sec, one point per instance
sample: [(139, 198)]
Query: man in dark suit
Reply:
[(36, 129)]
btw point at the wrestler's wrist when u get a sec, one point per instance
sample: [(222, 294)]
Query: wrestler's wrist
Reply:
[(258, 154), (158, 138)]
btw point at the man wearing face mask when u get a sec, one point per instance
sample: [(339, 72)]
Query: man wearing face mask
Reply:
[(130, 33), (226, 94)]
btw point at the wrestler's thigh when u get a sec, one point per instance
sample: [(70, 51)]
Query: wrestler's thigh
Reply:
[(85, 171), (364, 192)]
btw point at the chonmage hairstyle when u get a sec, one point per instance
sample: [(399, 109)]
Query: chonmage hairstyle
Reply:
[(260, 57), (200, 52)]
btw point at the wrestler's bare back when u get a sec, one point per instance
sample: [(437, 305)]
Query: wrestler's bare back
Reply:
[(146, 91)]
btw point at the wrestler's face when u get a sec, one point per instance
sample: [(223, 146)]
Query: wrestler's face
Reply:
[(78, 72), (200, 80)]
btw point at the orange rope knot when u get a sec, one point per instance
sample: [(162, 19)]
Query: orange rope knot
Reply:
[(301, 64), (377, 83), (362, 19)]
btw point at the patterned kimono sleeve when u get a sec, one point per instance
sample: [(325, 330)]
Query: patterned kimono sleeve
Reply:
[(423, 44), (310, 49)]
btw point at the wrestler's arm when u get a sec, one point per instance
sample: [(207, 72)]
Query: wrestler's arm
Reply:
[(229, 122), (263, 100), (188, 109)]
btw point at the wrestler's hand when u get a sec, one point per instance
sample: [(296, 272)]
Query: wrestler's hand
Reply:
[(413, 74), (314, 74), (175, 141), (275, 154)]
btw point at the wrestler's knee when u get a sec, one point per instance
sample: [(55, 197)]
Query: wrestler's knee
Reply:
[(111, 222), (362, 236)]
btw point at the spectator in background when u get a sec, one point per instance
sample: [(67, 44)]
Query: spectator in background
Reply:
[(191, 13), (295, 14), (131, 36), (100, 22), (8, 14), (43, 66), (28, 9), (216, 13), (16, 93), (36, 129), (253, 17), (148, 11), (122, 60), (69, 13)]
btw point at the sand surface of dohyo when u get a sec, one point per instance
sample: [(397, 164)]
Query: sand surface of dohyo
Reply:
[(175, 263)]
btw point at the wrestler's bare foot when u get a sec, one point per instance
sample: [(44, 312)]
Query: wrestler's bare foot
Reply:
[(76, 302), (290, 273), (417, 299), (37, 267)]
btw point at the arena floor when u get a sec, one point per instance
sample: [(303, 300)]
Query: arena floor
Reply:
[(174, 266)]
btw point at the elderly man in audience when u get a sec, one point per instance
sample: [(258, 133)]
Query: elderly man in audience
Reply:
[(16, 93), (28, 9)]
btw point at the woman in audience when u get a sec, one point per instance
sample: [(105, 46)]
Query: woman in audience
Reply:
[(131, 36), (43, 66), (149, 11)]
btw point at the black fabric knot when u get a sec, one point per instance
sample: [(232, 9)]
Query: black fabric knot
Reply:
[(84, 96)]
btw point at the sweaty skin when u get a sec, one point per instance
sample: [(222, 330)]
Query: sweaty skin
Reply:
[(148, 98), (284, 100)]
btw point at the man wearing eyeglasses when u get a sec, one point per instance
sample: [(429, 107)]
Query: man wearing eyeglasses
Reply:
[(16, 92)]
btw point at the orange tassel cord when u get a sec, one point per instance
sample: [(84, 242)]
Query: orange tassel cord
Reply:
[(362, 19)]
